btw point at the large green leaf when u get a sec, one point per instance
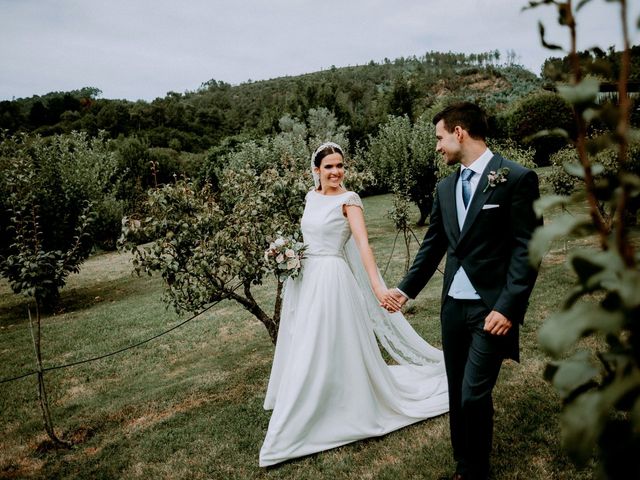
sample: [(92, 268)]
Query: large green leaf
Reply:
[(582, 423), (577, 170), (580, 94), (547, 202), (553, 132), (606, 270), (627, 380), (561, 331), (632, 182), (583, 419), (573, 373), (595, 267), (627, 286), (590, 114), (544, 236)]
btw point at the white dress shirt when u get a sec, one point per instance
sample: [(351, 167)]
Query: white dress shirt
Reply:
[(461, 287)]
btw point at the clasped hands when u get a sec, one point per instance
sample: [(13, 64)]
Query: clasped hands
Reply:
[(391, 299)]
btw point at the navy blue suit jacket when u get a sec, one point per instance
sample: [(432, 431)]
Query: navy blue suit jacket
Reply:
[(492, 246)]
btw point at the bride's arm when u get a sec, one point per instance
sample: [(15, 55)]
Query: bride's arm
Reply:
[(355, 216)]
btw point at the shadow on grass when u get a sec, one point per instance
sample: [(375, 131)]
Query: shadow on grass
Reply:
[(173, 433), (14, 309)]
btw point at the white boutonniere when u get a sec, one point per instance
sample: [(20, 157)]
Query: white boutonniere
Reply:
[(496, 178)]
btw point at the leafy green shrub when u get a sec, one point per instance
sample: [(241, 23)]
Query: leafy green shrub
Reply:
[(190, 164), (593, 334), (134, 167), (106, 222), (164, 164), (402, 158), (540, 111), (561, 182), (511, 150), (205, 241), (50, 188), (564, 183)]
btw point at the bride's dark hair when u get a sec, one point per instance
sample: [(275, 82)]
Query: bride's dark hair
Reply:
[(328, 150)]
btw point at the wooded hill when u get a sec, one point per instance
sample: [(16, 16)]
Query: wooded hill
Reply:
[(361, 97)]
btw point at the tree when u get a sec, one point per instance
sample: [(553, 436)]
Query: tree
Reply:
[(598, 381), (402, 97), (595, 61), (403, 159), (38, 115), (11, 118), (32, 267), (65, 173), (211, 246), (537, 111), (113, 117), (607, 161)]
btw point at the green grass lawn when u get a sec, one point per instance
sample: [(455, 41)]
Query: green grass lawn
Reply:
[(189, 404)]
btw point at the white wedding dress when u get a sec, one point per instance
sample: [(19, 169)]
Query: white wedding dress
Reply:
[(329, 384)]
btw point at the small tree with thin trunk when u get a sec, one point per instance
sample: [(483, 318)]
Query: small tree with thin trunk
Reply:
[(210, 246), (51, 193), (32, 269)]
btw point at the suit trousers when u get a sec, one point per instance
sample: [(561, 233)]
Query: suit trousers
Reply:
[(473, 358)]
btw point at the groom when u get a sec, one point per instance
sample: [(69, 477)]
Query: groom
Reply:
[(483, 219)]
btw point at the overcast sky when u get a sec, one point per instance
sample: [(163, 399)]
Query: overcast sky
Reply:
[(142, 49)]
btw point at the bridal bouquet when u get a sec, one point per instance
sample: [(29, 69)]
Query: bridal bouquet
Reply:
[(284, 257)]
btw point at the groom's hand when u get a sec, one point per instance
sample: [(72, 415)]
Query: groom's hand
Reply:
[(497, 324), (393, 300)]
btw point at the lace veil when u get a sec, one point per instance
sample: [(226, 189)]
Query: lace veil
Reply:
[(394, 332)]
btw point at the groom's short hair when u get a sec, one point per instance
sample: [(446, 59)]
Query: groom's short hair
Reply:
[(467, 115)]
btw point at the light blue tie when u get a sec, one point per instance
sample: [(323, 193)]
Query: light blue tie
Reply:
[(466, 175)]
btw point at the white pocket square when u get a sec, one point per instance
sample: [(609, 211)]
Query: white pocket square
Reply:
[(487, 206)]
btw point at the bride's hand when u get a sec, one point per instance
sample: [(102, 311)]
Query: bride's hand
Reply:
[(381, 294), (390, 299)]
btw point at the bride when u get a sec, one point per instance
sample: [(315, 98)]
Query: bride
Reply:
[(329, 384)]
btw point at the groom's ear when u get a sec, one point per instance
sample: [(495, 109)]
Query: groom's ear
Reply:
[(459, 132)]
